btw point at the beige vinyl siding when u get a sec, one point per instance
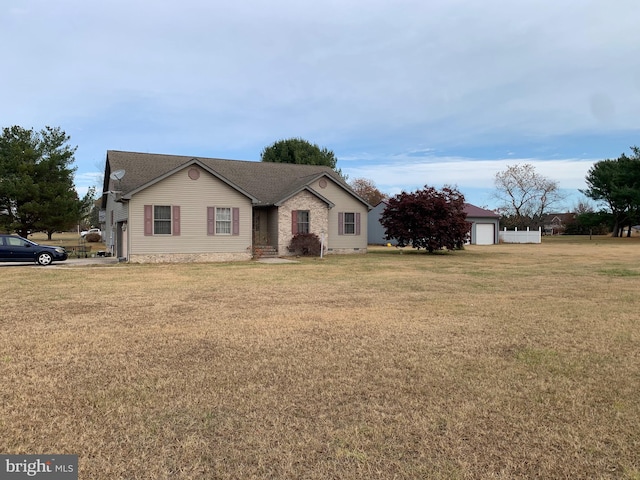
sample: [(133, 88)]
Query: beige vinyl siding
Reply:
[(344, 202), (193, 197)]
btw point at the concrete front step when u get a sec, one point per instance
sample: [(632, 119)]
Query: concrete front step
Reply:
[(265, 251)]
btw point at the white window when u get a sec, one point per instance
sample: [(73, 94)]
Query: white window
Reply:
[(303, 221), (223, 221), (349, 223), (162, 220)]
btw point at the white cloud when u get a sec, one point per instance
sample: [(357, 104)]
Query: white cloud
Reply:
[(466, 173), (227, 78)]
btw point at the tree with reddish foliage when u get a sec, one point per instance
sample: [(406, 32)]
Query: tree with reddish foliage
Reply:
[(367, 190), (429, 218)]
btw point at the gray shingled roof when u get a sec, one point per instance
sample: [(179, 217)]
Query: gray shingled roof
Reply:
[(268, 183)]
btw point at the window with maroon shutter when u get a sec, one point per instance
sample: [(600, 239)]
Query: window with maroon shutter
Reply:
[(300, 221), (348, 223), (223, 221), (161, 220)]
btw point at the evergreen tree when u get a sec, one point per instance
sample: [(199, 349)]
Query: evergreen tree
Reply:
[(300, 151), (36, 181), (617, 184)]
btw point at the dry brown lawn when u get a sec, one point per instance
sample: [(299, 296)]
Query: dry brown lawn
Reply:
[(508, 361)]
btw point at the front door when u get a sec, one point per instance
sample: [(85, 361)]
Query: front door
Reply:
[(260, 234)]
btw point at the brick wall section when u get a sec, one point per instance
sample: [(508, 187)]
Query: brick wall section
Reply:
[(318, 218)]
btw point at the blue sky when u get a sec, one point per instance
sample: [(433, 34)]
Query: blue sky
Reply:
[(406, 93)]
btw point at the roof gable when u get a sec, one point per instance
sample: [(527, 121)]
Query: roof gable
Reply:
[(193, 161), (558, 218), (305, 188)]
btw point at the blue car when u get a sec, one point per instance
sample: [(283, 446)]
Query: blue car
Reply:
[(17, 249)]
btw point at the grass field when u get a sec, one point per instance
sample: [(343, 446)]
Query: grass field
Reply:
[(506, 361)]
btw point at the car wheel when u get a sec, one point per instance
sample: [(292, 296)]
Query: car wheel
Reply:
[(45, 258)]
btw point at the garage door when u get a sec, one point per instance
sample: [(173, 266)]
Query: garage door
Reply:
[(485, 234)]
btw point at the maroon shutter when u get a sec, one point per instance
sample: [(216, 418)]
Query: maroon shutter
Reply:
[(211, 220), (340, 223), (148, 220), (357, 224), (236, 221), (175, 218), (294, 222)]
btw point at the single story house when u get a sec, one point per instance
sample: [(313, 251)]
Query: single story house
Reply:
[(169, 208), (485, 225)]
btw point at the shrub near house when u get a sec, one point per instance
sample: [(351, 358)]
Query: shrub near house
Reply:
[(92, 237), (305, 244)]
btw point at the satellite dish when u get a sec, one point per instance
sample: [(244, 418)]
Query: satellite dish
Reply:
[(117, 175)]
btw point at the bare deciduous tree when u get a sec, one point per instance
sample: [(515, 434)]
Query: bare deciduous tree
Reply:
[(525, 195)]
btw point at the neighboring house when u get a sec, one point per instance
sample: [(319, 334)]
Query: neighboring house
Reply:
[(375, 231), (635, 230), (484, 225), (167, 208), (556, 223)]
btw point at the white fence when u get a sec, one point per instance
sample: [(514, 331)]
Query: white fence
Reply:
[(522, 236)]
